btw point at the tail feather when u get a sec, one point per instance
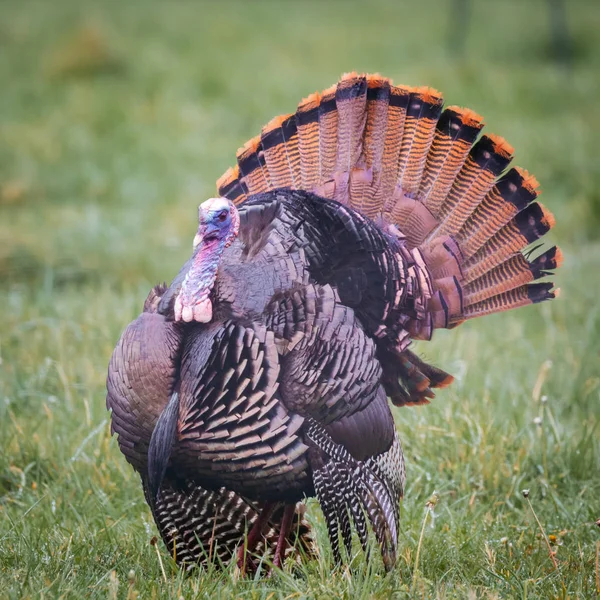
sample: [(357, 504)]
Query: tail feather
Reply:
[(350, 99), (486, 160), (527, 226), (280, 146), (515, 272), (307, 119), (511, 194), (455, 133), (391, 153), (328, 134), (252, 166), (399, 98), (424, 109), (521, 296), (230, 186), (363, 190)]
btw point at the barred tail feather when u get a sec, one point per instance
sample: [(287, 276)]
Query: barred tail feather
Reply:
[(487, 159), (328, 127), (279, 140), (526, 227), (455, 133), (511, 194), (399, 98), (521, 296), (351, 100), (230, 186), (367, 198), (424, 109), (391, 153), (307, 120), (252, 166), (515, 272)]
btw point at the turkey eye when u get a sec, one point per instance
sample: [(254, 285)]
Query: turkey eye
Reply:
[(222, 215)]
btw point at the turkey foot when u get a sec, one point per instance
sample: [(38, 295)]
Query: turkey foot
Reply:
[(243, 560), (284, 532)]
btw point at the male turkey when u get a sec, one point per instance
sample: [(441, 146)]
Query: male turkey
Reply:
[(365, 220)]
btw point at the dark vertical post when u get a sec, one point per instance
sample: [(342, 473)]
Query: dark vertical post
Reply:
[(458, 26), (559, 31)]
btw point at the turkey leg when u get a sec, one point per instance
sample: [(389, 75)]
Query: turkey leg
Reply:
[(284, 532), (254, 536)]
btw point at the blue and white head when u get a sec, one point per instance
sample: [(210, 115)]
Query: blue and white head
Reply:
[(218, 227)]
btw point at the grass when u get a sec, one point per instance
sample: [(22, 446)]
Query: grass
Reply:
[(116, 119)]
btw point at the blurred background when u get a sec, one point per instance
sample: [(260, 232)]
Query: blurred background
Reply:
[(117, 118), (116, 121)]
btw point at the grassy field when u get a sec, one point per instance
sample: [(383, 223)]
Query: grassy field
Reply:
[(115, 121)]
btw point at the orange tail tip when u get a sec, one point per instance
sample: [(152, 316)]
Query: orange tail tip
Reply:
[(275, 123), (228, 177), (328, 93), (559, 257), (401, 90), (349, 77), (428, 94), (310, 103), (501, 146), (376, 80), (448, 380), (249, 147), (547, 217), (468, 117), (529, 181)]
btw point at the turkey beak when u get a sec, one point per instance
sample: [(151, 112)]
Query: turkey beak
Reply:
[(205, 233)]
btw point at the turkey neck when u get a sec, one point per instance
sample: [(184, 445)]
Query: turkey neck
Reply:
[(200, 279), (204, 266)]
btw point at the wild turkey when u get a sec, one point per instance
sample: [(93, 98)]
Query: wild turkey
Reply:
[(364, 221)]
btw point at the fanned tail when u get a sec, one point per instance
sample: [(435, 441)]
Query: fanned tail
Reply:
[(393, 154), (360, 490)]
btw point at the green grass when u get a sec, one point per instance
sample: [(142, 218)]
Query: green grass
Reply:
[(116, 119)]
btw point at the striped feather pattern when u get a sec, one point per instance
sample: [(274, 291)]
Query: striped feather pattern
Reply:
[(201, 526), (279, 140), (368, 198), (328, 125), (423, 111), (351, 100), (399, 97), (252, 166), (230, 186), (488, 158), (455, 133), (391, 153), (347, 487), (526, 227), (307, 120), (512, 273), (512, 193), (521, 296)]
